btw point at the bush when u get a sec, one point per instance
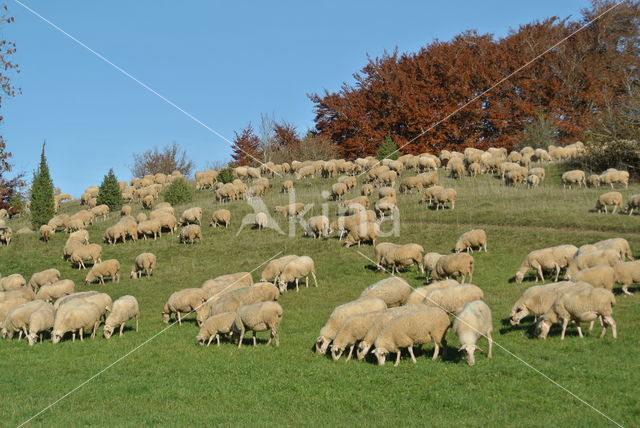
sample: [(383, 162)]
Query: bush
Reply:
[(178, 192), (619, 154), (110, 193), (225, 175), (42, 201), (388, 149), (539, 134)]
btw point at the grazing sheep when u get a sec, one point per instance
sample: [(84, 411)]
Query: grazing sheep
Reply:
[(6, 307), (473, 322), (46, 232), (538, 172), (537, 300), (402, 256), (168, 222), (381, 250), (607, 257), (191, 216), (101, 211), (579, 306), (452, 299), (149, 227), (345, 224), (626, 274), (144, 262), (214, 325), (393, 291), (408, 184), (221, 217), (274, 268), (91, 252), (575, 176), (123, 310), (216, 286), (429, 262), (388, 204), (454, 265), (183, 302), (613, 176), (352, 330), (366, 190), (287, 186), (593, 180), (338, 190), (261, 316), (231, 300), (147, 202), (107, 268), (318, 227), (386, 192), (12, 282), (339, 316), (69, 248), (81, 236), (473, 238), (418, 295), (445, 196), (415, 328), (532, 181), (18, 318), (40, 321), (45, 277), (79, 295), (190, 233), (356, 205), (5, 235), (78, 318), (298, 268), (619, 244), (539, 260), (633, 203), (125, 210), (292, 210), (19, 293), (609, 199), (598, 276), (115, 232), (363, 232), (56, 290)]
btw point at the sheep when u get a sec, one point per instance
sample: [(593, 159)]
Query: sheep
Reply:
[(144, 262), (366, 190), (292, 210), (6, 307), (382, 249), (627, 273), (261, 316), (18, 318), (56, 290), (538, 172), (74, 225), (45, 232), (356, 205), (274, 268), (347, 223), (149, 227), (388, 204), (98, 271), (386, 192), (125, 210), (473, 238), (338, 190), (473, 322), (213, 287), (418, 295), (19, 293), (91, 252), (183, 301), (351, 331), (619, 244), (115, 232), (532, 181), (81, 236), (537, 300), (593, 180), (318, 227), (79, 317), (294, 270), (429, 262), (452, 299), (575, 176), (609, 199), (595, 258), (613, 176), (5, 235), (423, 326), (454, 265), (231, 300), (598, 276), (40, 321), (445, 196), (147, 202), (191, 216), (168, 222), (123, 309), (12, 282), (408, 184), (221, 217), (287, 186), (101, 211), (633, 203), (190, 233), (339, 316), (79, 295), (579, 306), (214, 325), (403, 255), (539, 260), (45, 277), (393, 291), (363, 232)]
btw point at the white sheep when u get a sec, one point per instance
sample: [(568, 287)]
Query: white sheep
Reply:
[(537, 300), (46, 232), (191, 216), (607, 257), (150, 227), (429, 262), (609, 199), (124, 309), (633, 203), (22, 292), (40, 321), (318, 227), (190, 233), (12, 282), (91, 252), (231, 300), (454, 265), (144, 262), (470, 239), (575, 176), (17, 320), (627, 273), (419, 294), (80, 318), (45, 277), (6, 307), (107, 268), (79, 295), (214, 325), (394, 291), (619, 244), (381, 250), (262, 220), (598, 276), (298, 268), (183, 301), (220, 284), (258, 317), (402, 256), (540, 260), (56, 290), (220, 217), (363, 232), (473, 322), (274, 268), (445, 196), (352, 330), (453, 298)]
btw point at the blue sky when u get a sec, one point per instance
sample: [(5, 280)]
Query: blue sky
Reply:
[(225, 64)]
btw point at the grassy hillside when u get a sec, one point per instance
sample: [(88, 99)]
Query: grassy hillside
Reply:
[(161, 376)]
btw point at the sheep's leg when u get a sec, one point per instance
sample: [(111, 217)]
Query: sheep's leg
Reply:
[(306, 281), (81, 335), (413, 358), (436, 351), (565, 323), (210, 339), (540, 274), (121, 328), (73, 336), (276, 336), (217, 340), (179, 319), (137, 322), (315, 281), (591, 325), (297, 289), (350, 351), (615, 207), (397, 359), (240, 336), (610, 321), (625, 290), (490, 340), (580, 331), (254, 338)]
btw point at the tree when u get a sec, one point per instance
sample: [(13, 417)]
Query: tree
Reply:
[(42, 201), (178, 192), (246, 148), (388, 149), (166, 160), (110, 193), (541, 133)]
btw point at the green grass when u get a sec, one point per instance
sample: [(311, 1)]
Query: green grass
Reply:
[(170, 380)]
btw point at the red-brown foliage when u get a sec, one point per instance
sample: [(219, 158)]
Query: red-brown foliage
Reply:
[(246, 148)]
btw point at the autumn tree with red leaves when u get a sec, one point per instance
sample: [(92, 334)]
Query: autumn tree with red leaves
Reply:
[(246, 148)]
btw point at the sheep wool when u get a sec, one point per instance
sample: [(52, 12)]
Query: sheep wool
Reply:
[(473, 322)]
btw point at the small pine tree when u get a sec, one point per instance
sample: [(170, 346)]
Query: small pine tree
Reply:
[(110, 193), (42, 201), (388, 149), (178, 192), (539, 134), (226, 175)]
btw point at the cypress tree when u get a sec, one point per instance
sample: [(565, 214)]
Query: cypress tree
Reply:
[(110, 193), (387, 149), (42, 202)]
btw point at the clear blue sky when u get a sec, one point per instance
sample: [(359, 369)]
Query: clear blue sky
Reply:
[(225, 63)]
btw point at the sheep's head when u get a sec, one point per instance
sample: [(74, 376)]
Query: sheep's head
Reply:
[(200, 340), (165, 318), (363, 349), (56, 337), (322, 343), (32, 338), (381, 355), (519, 277), (518, 314), (89, 278), (5, 334), (336, 352), (108, 331), (469, 349), (542, 328), (134, 274)]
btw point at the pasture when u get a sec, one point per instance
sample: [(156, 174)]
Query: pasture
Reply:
[(160, 376)]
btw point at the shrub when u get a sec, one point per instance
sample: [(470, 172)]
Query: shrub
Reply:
[(388, 149), (110, 193), (42, 201), (225, 175), (165, 160), (178, 192), (619, 154), (539, 134)]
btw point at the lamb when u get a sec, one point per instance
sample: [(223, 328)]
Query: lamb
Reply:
[(595, 258), (338, 190), (452, 299), (123, 310), (339, 316), (363, 232), (191, 216), (292, 210), (473, 322), (78, 318), (109, 268), (298, 268), (190, 233), (626, 274), (12, 282), (393, 291), (619, 244), (91, 252), (149, 227), (18, 318), (45, 277), (258, 317), (575, 176), (115, 232), (633, 203), (537, 300), (609, 199), (40, 321), (144, 262), (287, 186), (403, 255), (598, 276), (445, 196), (183, 301), (473, 238), (580, 306), (213, 326), (45, 232), (454, 265), (274, 268), (424, 326), (56, 290), (352, 330), (221, 217), (429, 262), (419, 294), (18, 293)]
